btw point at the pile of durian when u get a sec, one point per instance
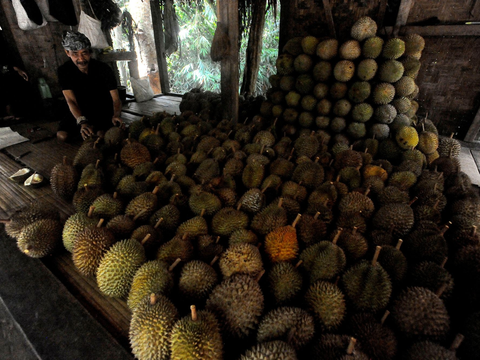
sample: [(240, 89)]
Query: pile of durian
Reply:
[(235, 241)]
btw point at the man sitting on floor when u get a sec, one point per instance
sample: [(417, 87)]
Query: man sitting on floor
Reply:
[(90, 89)]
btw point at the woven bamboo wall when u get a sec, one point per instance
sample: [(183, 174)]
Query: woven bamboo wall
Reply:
[(447, 11), (449, 82)]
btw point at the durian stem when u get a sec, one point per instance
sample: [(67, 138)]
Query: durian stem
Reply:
[(145, 239), (444, 230), (233, 148), (155, 190), (115, 195), (173, 177), (217, 240), (436, 204), (259, 276), (262, 149), (115, 157), (139, 215), (64, 160), (157, 130), (412, 201), (474, 230), (97, 163), (155, 161), (317, 215), (375, 257), (239, 206), (158, 223), (202, 213), (267, 185), (451, 135), (351, 346), (399, 244), (214, 260), (100, 223), (367, 191), (184, 237), (274, 122), (444, 262), (457, 342), (246, 119), (193, 309), (90, 211), (442, 288), (85, 186), (384, 317), (317, 159), (337, 236), (297, 219), (280, 202), (153, 299), (5, 221), (354, 230), (298, 264), (170, 269), (229, 133)]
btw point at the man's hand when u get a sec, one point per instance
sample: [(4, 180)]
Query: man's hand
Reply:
[(22, 73), (118, 122), (86, 131)]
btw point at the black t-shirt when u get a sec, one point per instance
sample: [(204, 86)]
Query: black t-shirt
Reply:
[(91, 90)]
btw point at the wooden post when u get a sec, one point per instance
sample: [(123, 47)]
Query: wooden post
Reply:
[(474, 128), (160, 45), (402, 16), (382, 8), (254, 48), (230, 71), (328, 14)]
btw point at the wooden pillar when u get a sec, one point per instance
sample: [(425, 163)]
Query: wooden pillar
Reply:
[(254, 48), (230, 68), (474, 128), (160, 45), (402, 16)]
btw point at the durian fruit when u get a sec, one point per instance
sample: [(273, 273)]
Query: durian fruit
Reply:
[(207, 170), (420, 314), (355, 202), (134, 153), (391, 71), (238, 304), (242, 236), (326, 301), (284, 282), (209, 248), (428, 350), (396, 217), (471, 344), (329, 347), (293, 47), (426, 245), (367, 69), (92, 175), (74, 225), (241, 259), (40, 238), (151, 328), (197, 337), (269, 219), (197, 280), (136, 127), (281, 244), (121, 226), (63, 179), (153, 277), (30, 213), (202, 200), (193, 227), (383, 93), (306, 145), (327, 49), (344, 70), (143, 206), (272, 350), (431, 276), (170, 215), (405, 86), (392, 195), (394, 262), (141, 171), (114, 136), (309, 45), (363, 29), (228, 220), (350, 50), (293, 323), (253, 200), (107, 206), (118, 267), (375, 339), (90, 247), (353, 243), (393, 48), (180, 246), (367, 285), (414, 44), (88, 153), (310, 229)]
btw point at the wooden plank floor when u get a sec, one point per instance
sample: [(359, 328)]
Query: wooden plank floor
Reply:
[(167, 103)]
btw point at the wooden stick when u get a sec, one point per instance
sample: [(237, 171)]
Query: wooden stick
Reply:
[(375, 257), (444, 262), (399, 244), (280, 202), (139, 215), (214, 260), (153, 299), (457, 342), (170, 269), (259, 276), (97, 163), (296, 220), (158, 223), (337, 236), (384, 317), (145, 239), (239, 206), (474, 230), (100, 223), (155, 190), (5, 221), (298, 264), (412, 201), (193, 309), (442, 288), (90, 211), (351, 346), (317, 214), (203, 212)]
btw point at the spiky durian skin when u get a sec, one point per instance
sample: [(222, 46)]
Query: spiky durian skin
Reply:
[(326, 302), (118, 267), (241, 259), (203, 200), (197, 280), (393, 48), (376, 340), (152, 277), (197, 340), (40, 238), (273, 350), (63, 180), (121, 226), (151, 327), (396, 216), (428, 350), (432, 276), (29, 214), (329, 347), (228, 220), (142, 206), (74, 225), (269, 219), (106, 207), (284, 282), (292, 322), (363, 28), (238, 304), (420, 314), (323, 261), (372, 47), (193, 227), (367, 287), (170, 215), (89, 248), (281, 244), (134, 154)]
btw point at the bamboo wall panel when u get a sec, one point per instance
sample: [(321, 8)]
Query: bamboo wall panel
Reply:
[(449, 82), (447, 11)]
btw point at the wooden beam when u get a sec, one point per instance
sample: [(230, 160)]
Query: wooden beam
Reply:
[(440, 30), (230, 72), (157, 24), (475, 10), (328, 14), (254, 48), (402, 16), (474, 128), (382, 9)]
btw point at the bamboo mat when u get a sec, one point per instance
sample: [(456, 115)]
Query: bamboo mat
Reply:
[(170, 104)]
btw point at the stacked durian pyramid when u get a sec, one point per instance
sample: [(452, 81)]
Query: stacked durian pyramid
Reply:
[(323, 244)]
